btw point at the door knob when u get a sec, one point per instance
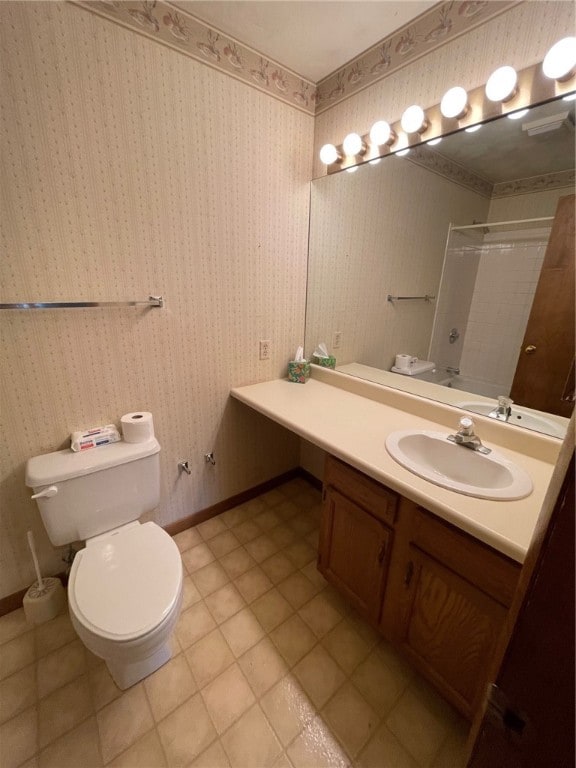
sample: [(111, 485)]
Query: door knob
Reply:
[(530, 349)]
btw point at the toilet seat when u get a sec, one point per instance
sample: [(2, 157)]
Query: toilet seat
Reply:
[(126, 583)]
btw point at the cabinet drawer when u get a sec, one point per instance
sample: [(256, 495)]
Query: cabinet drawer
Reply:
[(367, 493), (493, 573)]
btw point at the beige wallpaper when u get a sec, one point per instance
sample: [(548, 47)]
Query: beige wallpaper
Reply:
[(519, 37), (132, 170)]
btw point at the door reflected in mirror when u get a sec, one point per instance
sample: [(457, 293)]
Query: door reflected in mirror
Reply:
[(468, 223)]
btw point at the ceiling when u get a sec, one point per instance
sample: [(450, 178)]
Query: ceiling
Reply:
[(311, 37)]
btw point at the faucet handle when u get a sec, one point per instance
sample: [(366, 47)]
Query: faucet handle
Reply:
[(466, 426), (504, 402)]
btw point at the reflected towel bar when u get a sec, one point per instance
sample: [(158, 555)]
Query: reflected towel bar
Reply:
[(410, 298), (153, 301)]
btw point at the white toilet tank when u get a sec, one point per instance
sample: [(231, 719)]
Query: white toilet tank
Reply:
[(97, 490)]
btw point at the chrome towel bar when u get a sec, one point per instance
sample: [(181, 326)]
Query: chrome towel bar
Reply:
[(410, 298), (153, 301)]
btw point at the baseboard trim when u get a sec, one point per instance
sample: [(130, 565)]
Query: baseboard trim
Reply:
[(14, 601)]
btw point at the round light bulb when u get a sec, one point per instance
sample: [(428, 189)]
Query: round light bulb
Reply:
[(381, 133), (329, 154), (352, 145), (502, 84), (414, 120), (454, 103), (473, 128), (375, 161), (352, 169), (560, 61), (570, 97), (403, 152), (518, 114), (434, 142)]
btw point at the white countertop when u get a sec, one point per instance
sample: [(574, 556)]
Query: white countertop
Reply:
[(354, 428)]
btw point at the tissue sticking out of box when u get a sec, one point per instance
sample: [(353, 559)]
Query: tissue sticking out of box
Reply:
[(299, 369), (93, 438), (322, 357), (299, 356)]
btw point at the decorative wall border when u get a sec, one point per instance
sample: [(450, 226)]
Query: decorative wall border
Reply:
[(434, 161), (429, 31), (535, 184), (179, 30)]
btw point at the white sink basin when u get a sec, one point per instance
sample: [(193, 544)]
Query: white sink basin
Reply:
[(519, 417), (432, 456)]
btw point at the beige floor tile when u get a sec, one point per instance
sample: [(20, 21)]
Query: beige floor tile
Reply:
[(366, 632), (223, 543), (313, 538), (303, 523), (263, 666), (277, 567), (252, 584), (210, 578), (384, 749), (186, 732), (320, 615), (213, 757), (147, 752), (233, 517), (17, 692), (224, 603), (271, 609), (190, 594), (293, 639), (227, 697), (254, 507), (419, 725), (54, 634), (452, 753), (197, 557), (287, 510), (17, 654), (237, 562), (267, 520), (300, 553), (60, 667), (251, 741), (273, 498), (209, 657), (242, 631), (210, 528), (319, 675), (288, 708), (282, 761), (187, 539), (283, 535), (247, 531), (193, 624), (79, 748), (262, 547), (311, 572), (123, 722), (315, 747), (351, 719), (346, 646), (13, 625), (19, 738), (64, 709), (380, 685), (297, 589), (102, 687), (169, 687)]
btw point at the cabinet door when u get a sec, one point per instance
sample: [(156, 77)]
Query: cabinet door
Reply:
[(449, 629), (354, 552)]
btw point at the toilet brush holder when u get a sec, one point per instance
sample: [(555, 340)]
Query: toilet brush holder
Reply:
[(43, 602)]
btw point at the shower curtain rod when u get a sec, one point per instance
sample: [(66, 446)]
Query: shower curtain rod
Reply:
[(490, 224)]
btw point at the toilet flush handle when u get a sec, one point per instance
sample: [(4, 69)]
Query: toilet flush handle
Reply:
[(47, 493)]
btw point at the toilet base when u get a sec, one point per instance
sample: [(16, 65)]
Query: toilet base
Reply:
[(125, 675)]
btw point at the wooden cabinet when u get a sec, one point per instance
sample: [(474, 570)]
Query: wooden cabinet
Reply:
[(437, 593)]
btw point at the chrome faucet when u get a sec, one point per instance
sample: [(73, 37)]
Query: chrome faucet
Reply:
[(466, 436), (453, 370), (503, 411)]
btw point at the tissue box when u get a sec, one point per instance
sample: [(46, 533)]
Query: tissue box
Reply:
[(298, 372), (326, 362)]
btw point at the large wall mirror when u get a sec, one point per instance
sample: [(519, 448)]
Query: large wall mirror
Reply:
[(459, 254)]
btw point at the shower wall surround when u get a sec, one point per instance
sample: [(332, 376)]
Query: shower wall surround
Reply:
[(133, 170)]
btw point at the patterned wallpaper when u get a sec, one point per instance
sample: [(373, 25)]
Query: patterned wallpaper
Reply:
[(132, 170)]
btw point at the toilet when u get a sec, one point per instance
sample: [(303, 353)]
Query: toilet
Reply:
[(125, 586)]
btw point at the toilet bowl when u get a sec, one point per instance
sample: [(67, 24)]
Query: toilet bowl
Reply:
[(124, 596)]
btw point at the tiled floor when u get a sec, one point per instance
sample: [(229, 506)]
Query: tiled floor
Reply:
[(269, 668)]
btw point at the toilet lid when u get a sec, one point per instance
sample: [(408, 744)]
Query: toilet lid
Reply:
[(125, 584)]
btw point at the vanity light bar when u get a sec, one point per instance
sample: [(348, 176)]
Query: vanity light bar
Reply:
[(506, 92)]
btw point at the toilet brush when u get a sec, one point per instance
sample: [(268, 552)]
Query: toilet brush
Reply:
[(46, 598)]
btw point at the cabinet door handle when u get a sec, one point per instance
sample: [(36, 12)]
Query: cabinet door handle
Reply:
[(409, 574), (382, 553)]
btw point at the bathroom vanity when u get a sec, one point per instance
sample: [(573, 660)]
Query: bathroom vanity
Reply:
[(434, 570)]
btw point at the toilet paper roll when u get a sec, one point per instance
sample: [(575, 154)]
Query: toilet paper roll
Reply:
[(404, 361), (137, 427)]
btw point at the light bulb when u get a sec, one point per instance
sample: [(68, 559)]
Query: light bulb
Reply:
[(353, 145), (570, 97), (502, 84), (329, 154), (454, 103), (560, 61), (518, 114), (352, 169), (403, 152), (433, 142), (473, 128), (414, 120), (375, 161), (381, 133)]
